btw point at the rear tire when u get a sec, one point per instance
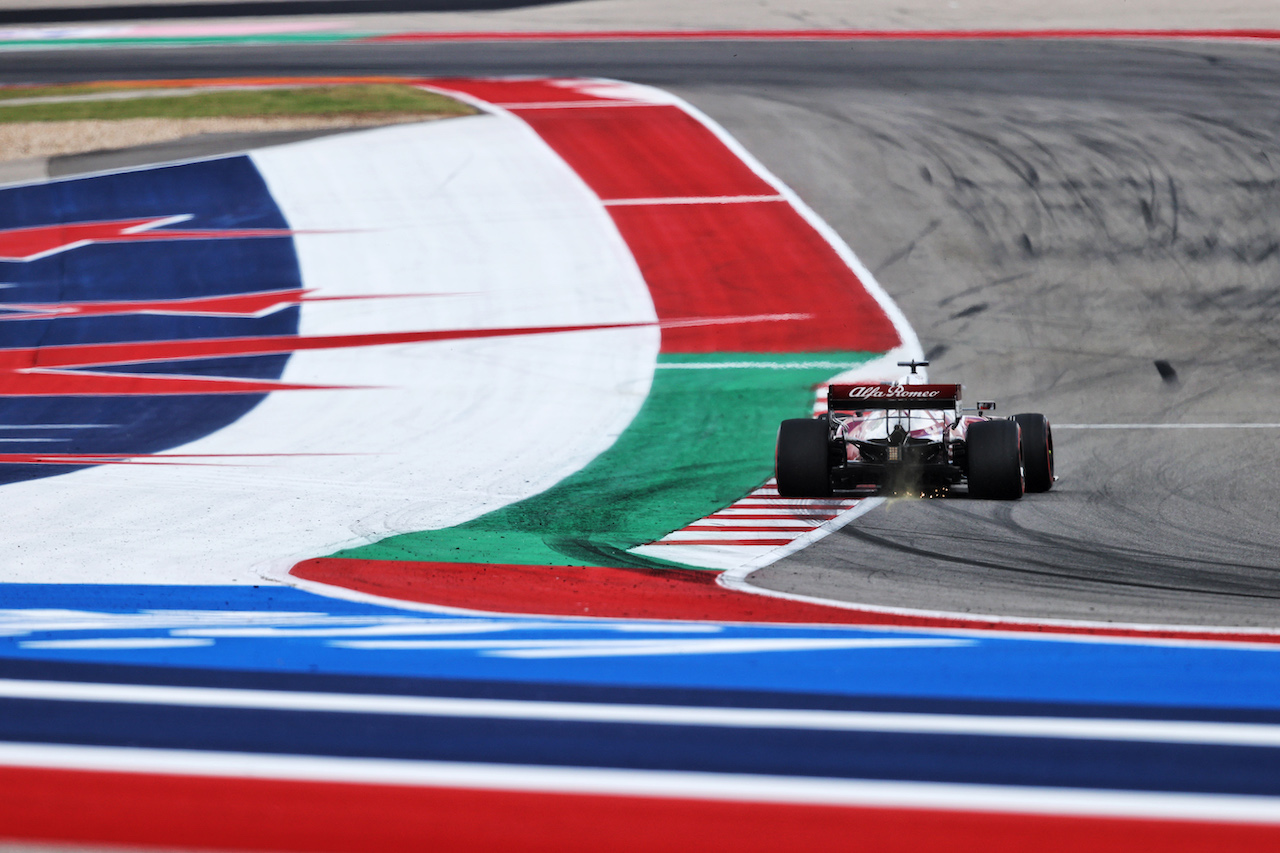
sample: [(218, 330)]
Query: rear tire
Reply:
[(1037, 451), (801, 462), (995, 460)]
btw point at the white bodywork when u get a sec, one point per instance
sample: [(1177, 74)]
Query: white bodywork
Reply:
[(878, 424)]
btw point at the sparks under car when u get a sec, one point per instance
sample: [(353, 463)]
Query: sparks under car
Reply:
[(912, 438)]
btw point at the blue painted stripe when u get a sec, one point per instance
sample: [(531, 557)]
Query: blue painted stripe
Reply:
[(375, 685), (1028, 761), (224, 193), (1211, 682)]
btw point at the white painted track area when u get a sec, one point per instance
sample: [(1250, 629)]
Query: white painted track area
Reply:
[(477, 225)]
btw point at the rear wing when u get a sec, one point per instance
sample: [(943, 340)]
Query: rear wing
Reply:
[(872, 395)]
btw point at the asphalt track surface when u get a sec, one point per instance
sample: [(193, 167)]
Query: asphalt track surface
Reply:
[(252, 8), (1054, 218)]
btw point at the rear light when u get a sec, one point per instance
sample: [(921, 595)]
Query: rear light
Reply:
[(895, 454)]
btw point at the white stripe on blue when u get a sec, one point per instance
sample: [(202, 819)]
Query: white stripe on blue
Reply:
[(1163, 731)]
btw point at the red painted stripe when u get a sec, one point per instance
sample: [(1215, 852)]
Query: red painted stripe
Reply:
[(230, 305), (71, 383), (791, 511), (732, 542), (560, 590), (763, 528), (50, 371), (723, 516), (560, 105), (783, 503), (653, 594), (68, 356), (775, 499), (200, 234), (142, 459), (702, 260), (133, 809), (646, 152), (832, 35), (20, 244), (514, 91), (750, 259)]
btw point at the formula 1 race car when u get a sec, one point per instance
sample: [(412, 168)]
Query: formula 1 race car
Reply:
[(909, 438)]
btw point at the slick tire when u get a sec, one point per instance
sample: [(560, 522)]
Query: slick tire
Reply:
[(1037, 451), (995, 461), (801, 460)]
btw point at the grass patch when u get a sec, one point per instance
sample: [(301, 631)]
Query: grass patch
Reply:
[(703, 439), (17, 92), (356, 99)]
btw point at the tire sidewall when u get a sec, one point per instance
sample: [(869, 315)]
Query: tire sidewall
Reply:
[(1037, 451), (995, 460)]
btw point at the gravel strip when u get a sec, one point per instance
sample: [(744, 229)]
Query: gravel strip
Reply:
[(23, 140)]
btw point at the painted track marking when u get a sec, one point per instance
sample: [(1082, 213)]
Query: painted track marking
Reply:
[(712, 199), (1163, 731), (648, 783), (1167, 426), (760, 520), (1239, 34)]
